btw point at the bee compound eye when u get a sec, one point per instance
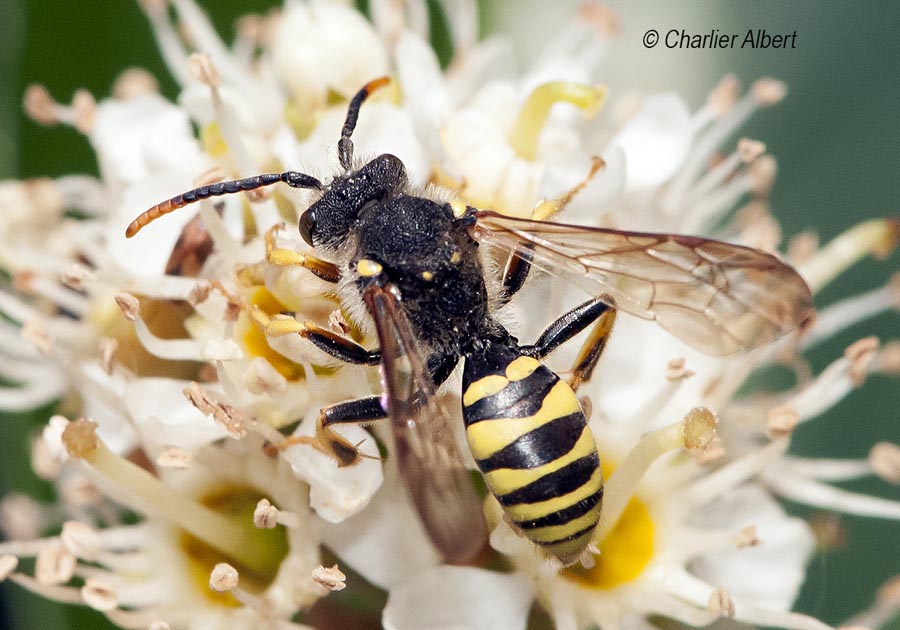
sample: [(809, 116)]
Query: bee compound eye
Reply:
[(307, 225)]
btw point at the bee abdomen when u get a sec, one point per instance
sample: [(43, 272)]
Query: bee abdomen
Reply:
[(531, 441)]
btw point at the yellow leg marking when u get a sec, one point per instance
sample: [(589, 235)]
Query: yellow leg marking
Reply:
[(484, 387), (551, 207), (529, 511), (489, 436), (506, 480), (591, 349)]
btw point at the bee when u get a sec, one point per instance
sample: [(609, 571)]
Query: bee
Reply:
[(412, 263)]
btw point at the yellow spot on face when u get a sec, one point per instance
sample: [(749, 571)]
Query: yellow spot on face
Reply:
[(427, 275), (458, 207), (368, 268), (484, 387), (270, 544), (624, 553), (455, 258), (521, 368)]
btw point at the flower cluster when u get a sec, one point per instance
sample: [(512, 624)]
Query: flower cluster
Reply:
[(184, 398)]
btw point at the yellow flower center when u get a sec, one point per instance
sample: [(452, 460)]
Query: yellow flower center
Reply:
[(624, 552), (254, 339), (270, 547)]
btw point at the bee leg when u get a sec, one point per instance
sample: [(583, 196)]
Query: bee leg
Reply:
[(514, 275), (287, 257), (364, 410), (359, 411), (338, 346), (563, 329)]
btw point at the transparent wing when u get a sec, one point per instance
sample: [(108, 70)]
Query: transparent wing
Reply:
[(718, 297), (424, 447)]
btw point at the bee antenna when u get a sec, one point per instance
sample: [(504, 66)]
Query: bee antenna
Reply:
[(345, 145), (291, 178)]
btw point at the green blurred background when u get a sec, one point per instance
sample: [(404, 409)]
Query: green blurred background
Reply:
[(836, 137)]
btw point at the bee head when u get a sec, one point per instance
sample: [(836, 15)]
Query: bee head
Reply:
[(328, 221)]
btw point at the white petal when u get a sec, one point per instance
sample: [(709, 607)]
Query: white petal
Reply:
[(337, 493), (454, 598), (655, 141), (165, 418), (768, 575), (142, 135), (386, 543), (321, 46)]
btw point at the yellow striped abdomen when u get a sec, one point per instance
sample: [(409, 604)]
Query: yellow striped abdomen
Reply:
[(531, 441)]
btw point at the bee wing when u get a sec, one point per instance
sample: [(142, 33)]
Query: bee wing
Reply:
[(424, 446), (718, 297)]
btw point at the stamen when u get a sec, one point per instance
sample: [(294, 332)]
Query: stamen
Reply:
[(99, 595), (878, 237), (223, 578), (226, 416), (171, 349), (841, 315), (8, 564), (694, 432), (54, 564), (534, 112), (167, 40), (143, 489), (790, 485), (720, 603), (40, 106), (174, 457), (884, 458), (133, 83), (80, 540), (747, 151), (267, 516), (331, 578)]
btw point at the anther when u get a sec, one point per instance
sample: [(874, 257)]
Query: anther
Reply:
[(40, 106), (676, 370), (331, 578), (134, 82), (223, 578), (8, 564), (720, 603), (781, 420), (54, 565), (768, 92), (82, 541), (84, 111), (884, 458), (99, 595), (201, 68), (762, 175), (699, 428), (226, 416), (861, 355), (129, 305), (76, 276), (80, 438), (749, 150), (723, 97), (174, 457), (747, 537)]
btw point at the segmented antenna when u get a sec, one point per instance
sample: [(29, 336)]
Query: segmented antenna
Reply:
[(345, 145), (291, 178)]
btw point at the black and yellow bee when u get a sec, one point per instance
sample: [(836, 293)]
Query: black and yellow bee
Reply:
[(413, 264)]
